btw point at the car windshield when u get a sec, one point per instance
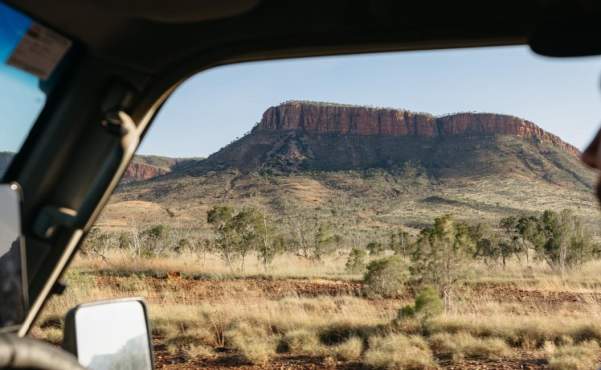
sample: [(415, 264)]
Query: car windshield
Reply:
[(412, 210), (29, 54)]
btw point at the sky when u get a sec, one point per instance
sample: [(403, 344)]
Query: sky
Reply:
[(214, 107), (21, 99)]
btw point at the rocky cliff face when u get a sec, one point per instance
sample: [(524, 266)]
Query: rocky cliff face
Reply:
[(298, 137), (141, 171), (140, 168), (326, 118)]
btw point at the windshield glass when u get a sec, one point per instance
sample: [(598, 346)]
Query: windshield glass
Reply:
[(29, 54), (415, 210)]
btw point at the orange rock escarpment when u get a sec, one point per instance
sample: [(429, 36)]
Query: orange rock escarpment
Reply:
[(326, 118), (141, 171)]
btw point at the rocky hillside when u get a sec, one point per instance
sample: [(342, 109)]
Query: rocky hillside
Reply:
[(141, 168), (367, 169), (306, 136), (144, 167)]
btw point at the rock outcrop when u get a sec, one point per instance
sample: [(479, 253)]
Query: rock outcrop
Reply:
[(140, 168), (141, 171), (328, 118)]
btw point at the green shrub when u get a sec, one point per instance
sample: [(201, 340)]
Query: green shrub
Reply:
[(375, 248), (407, 311), (385, 277), (350, 350), (356, 261), (428, 303)]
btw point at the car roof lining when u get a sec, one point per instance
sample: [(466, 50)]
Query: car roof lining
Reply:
[(164, 37)]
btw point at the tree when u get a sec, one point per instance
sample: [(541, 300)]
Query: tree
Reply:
[(269, 244), (441, 255), (427, 305), (399, 242), (241, 232), (486, 242), (154, 240), (568, 243), (356, 261), (511, 243), (220, 217), (323, 240), (248, 233), (494, 247), (385, 277), (375, 248)]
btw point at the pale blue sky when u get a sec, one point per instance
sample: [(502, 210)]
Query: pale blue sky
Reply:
[(20, 97), (212, 108)]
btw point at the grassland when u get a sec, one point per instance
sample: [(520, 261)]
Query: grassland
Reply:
[(308, 315)]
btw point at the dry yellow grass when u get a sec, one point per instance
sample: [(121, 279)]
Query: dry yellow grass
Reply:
[(302, 342), (255, 343), (464, 345), (481, 324), (349, 350), (397, 351), (287, 265), (584, 356)]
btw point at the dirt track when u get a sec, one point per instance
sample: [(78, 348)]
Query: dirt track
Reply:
[(248, 287), (277, 288)]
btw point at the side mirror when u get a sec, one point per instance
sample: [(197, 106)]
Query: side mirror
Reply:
[(110, 335), (13, 275)]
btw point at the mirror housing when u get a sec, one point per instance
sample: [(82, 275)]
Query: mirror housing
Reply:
[(112, 334)]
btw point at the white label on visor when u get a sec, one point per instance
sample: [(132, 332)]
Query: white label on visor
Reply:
[(39, 51)]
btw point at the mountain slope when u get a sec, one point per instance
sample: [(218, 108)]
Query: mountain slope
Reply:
[(302, 136), (367, 169), (141, 167)]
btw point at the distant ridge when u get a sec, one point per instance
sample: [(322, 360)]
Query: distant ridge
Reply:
[(352, 165), (142, 167), (344, 119)]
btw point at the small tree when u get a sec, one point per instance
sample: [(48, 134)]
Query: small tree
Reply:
[(494, 247), (220, 217), (248, 232), (241, 232), (356, 261), (441, 255), (154, 240), (323, 240), (386, 277), (269, 244), (375, 248), (399, 242), (562, 240), (427, 305), (312, 238)]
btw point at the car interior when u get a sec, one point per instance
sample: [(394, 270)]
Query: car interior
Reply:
[(124, 60)]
